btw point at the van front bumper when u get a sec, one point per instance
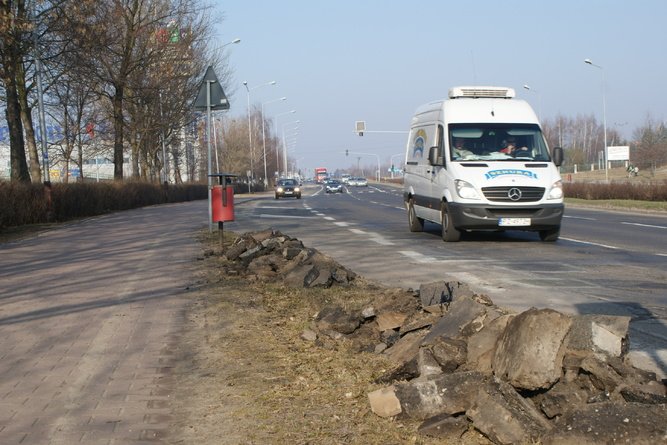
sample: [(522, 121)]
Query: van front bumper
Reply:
[(485, 217)]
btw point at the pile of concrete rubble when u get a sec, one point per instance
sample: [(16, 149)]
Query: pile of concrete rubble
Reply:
[(462, 363)]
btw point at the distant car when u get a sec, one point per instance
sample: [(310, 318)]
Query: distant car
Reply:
[(351, 181), (288, 188), (359, 182), (333, 186)]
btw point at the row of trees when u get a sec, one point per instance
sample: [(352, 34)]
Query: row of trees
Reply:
[(582, 138), (118, 76)]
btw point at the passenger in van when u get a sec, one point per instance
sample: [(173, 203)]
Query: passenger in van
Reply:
[(459, 150)]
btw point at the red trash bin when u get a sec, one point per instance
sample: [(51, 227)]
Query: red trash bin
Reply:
[(222, 203)]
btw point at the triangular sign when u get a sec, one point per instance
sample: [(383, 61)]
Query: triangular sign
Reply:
[(218, 99)]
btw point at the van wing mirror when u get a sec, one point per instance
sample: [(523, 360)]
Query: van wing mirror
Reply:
[(434, 156), (558, 156)]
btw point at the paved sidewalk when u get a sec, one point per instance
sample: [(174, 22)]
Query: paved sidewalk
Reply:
[(90, 318)]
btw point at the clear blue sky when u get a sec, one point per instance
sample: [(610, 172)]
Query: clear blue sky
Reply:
[(342, 61)]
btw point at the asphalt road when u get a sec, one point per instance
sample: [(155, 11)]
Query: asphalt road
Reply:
[(605, 262)]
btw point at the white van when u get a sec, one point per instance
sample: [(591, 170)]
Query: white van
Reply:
[(461, 170)]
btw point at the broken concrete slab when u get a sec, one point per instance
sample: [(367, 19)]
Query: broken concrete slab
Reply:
[(501, 414), (424, 398), (602, 376), (434, 293), (445, 426), (529, 354), (337, 319), (406, 348), (611, 422), (389, 320), (482, 344), (299, 275), (460, 313), (384, 402), (600, 334), (449, 353), (652, 393)]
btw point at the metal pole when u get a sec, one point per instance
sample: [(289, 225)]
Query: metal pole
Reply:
[(208, 144), (215, 146), (264, 144), (165, 177), (604, 125), (604, 117), (252, 151)]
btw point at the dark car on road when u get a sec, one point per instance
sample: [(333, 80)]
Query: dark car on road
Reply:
[(333, 186), (286, 188)]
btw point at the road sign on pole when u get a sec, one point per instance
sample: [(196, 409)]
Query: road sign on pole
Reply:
[(218, 100), (211, 97)]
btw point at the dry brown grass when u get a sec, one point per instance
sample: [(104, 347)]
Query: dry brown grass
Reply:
[(256, 381)]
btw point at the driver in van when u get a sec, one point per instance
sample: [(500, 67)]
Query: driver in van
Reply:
[(509, 146)]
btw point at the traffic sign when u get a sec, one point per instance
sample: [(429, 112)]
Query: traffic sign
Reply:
[(218, 98)]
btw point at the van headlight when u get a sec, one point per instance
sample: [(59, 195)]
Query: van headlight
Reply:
[(556, 191), (279, 189), (297, 189), (465, 189)]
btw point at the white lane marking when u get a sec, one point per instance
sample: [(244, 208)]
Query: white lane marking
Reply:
[(268, 215), (580, 217), (273, 207), (416, 256), (644, 225), (342, 224), (421, 258), (372, 236), (590, 243), (329, 218)]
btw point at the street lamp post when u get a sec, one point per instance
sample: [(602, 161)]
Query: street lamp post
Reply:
[(539, 101), (277, 135), (604, 118), (266, 182), (367, 154), (285, 145), (252, 149)]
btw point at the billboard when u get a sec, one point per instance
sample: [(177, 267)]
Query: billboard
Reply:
[(618, 153)]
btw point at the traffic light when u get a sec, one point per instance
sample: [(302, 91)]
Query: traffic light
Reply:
[(347, 152)]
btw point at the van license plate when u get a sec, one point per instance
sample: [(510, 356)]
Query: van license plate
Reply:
[(513, 222)]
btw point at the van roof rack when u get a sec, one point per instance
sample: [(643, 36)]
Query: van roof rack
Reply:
[(478, 92)]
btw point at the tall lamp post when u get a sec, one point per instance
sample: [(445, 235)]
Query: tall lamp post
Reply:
[(252, 149), (539, 101), (278, 155), (285, 144), (266, 181), (347, 152), (604, 118)]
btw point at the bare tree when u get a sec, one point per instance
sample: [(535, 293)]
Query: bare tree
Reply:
[(14, 27), (651, 145), (121, 39)]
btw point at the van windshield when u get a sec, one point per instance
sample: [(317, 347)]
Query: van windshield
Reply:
[(497, 142)]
